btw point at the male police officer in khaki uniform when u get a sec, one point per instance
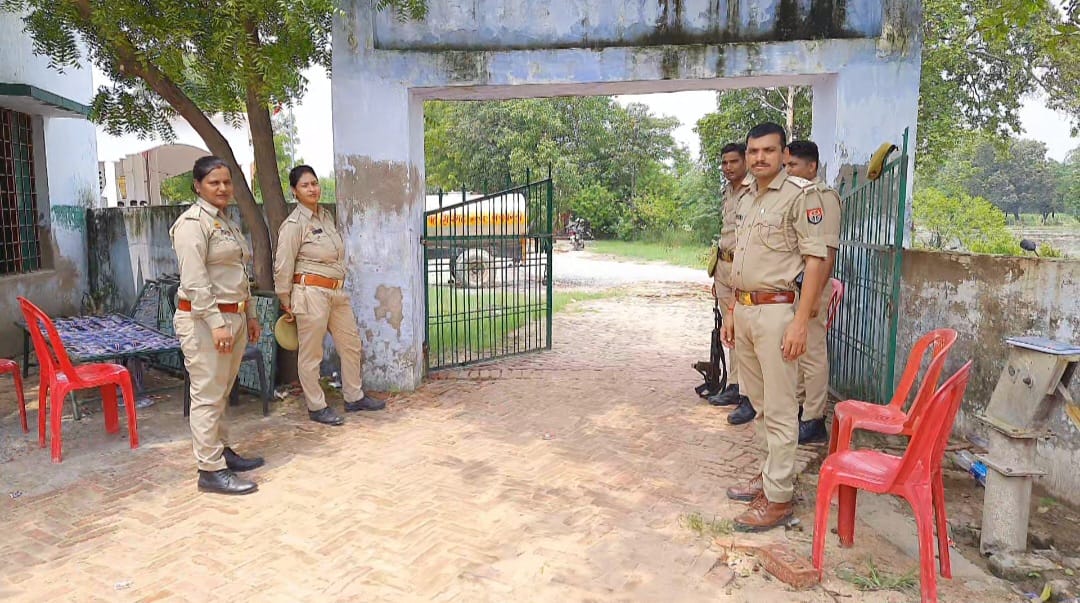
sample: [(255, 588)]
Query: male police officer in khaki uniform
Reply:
[(778, 236), (733, 165), (309, 272), (214, 320), (813, 390)]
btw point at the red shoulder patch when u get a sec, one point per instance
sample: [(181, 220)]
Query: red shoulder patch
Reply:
[(815, 215)]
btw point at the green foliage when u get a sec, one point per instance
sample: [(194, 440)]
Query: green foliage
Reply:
[(1046, 250), (960, 221), (739, 110), (1013, 174), (602, 154), (328, 187), (599, 206), (982, 57), (178, 189)]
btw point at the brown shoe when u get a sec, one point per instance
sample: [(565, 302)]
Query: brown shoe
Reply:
[(763, 515), (746, 493)]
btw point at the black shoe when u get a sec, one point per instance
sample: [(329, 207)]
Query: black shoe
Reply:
[(225, 482), (744, 413), (238, 463), (365, 403), (813, 432), (326, 416), (729, 397)]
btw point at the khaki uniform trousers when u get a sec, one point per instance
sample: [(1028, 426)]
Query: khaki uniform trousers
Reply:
[(769, 381), (813, 389), (318, 310), (726, 296), (212, 375)]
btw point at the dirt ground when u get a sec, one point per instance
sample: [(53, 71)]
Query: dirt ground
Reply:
[(590, 472)]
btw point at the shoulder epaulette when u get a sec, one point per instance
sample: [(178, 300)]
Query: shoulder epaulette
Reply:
[(800, 182)]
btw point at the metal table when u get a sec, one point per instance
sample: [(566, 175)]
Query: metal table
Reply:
[(113, 337)]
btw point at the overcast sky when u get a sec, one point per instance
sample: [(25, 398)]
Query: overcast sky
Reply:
[(316, 134)]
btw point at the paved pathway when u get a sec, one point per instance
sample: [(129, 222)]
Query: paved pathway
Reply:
[(562, 480)]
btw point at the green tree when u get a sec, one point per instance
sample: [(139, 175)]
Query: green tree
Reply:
[(961, 222), (595, 147), (982, 57), (188, 59), (178, 189), (739, 110)]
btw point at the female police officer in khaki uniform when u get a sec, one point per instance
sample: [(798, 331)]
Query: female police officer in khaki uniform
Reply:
[(309, 272), (214, 321)]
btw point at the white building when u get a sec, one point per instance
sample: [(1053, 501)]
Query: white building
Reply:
[(48, 178)]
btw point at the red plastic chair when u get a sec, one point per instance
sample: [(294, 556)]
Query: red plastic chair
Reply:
[(850, 415), (10, 366), (834, 300), (59, 378), (910, 477)]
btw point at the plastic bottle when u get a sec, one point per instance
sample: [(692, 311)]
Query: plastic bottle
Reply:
[(978, 471), (964, 460)]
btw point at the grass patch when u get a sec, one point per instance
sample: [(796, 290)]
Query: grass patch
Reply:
[(873, 579), (692, 256), (469, 324), (700, 526)]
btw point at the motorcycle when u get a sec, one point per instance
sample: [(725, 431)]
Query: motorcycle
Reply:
[(578, 229)]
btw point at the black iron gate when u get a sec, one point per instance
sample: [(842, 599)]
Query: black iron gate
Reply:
[(487, 274), (862, 340)]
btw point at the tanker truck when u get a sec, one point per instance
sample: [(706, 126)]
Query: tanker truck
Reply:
[(476, 233)]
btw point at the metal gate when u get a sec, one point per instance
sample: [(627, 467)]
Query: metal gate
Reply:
[(488, 273), (862, 340)]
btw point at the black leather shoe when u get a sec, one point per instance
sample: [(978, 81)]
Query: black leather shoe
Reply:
[(225, 482), (729, 397), (813, 432), (326, 416), (744, 413), (365, 403), (238, 463)]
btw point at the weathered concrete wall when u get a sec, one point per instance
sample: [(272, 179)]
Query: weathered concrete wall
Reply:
[(65, 156), (986, 299), (862, 58), (537, 24)]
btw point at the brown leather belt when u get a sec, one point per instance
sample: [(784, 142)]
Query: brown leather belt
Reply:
[(726, 255), (315, 280), (184, 305), (757, 298)]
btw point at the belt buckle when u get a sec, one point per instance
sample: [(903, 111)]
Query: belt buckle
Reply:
[(339, 283), (745, 298), (241, 307)]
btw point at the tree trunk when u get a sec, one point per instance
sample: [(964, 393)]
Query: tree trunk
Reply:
[(789, 110), (129, 59), (266, 169), (262, 139)]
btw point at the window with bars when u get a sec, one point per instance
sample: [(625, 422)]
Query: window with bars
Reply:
[(20, 245)]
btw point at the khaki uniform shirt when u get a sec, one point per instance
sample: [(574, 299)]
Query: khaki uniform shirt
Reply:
[(775, 228), (213, 256), (731, 198), (830, 203), (308, 243)]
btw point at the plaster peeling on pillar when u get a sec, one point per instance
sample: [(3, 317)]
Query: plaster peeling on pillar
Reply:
[(389, 307)]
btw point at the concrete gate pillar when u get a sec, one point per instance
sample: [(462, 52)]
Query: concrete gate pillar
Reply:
[(379, 166)]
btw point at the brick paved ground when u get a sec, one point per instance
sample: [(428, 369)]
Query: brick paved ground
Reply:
[(563, 480)]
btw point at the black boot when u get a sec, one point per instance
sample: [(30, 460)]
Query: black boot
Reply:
[(813, 432), (225, 482), (744, 413), (365, 403), (238, 463), (326, 416), (729, 397)]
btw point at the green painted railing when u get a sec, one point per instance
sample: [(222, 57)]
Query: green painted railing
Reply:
[(862, 339), (487, 274)]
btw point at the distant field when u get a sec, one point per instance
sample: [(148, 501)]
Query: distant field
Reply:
[(692, 256), (1064, 236)]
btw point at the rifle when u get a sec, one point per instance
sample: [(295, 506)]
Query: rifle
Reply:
[(715, 370)]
